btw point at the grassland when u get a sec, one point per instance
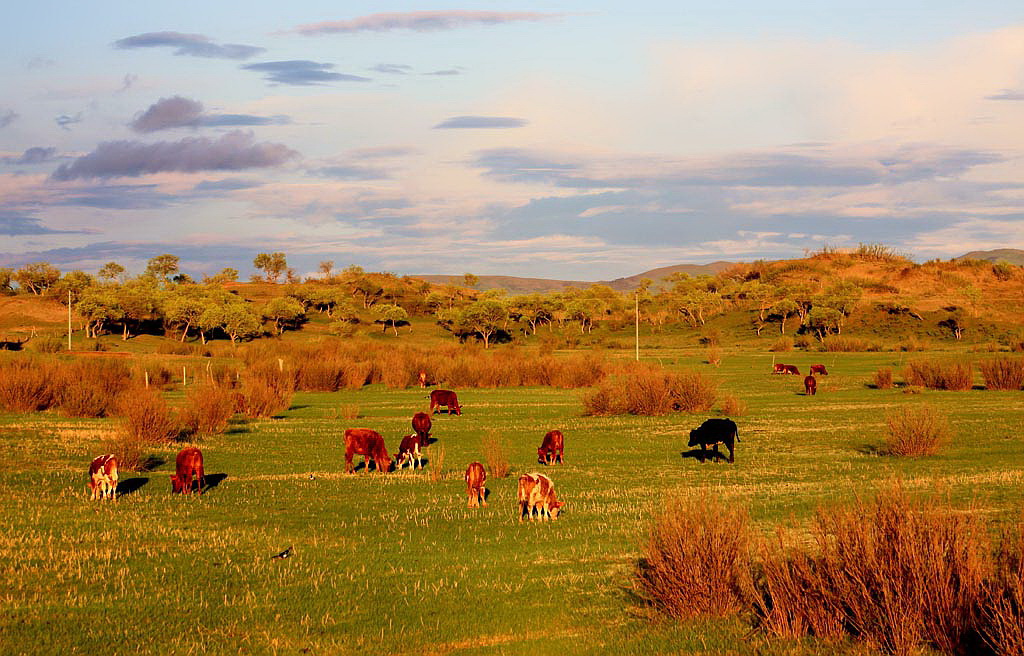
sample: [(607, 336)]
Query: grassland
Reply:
[(398, 564)]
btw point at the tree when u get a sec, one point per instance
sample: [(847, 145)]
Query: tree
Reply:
[(37, 277), (325, 268), (272, 264), (111, 272), (185, 309), (226, 275), (139, 299), (483, 318), (955, 322), (782, 310), (283, 310), (825, 321), (239, 321), (470, 280), (74, 282), (162, 266), (388, 313), (6, 276), (97, 307)]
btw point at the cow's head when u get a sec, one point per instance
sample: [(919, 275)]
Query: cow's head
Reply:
[(556, 507), (176, 485), (541, 455), (694, 438)]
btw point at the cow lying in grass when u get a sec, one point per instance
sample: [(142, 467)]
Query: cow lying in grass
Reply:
[(551, 448), (476, 476), (369, 444), (103, 477), (537, 492), (188, 463), (714, 432)]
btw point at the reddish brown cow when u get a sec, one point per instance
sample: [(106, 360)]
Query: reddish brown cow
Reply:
[(409, 451), (421, 424), (446, 398), (551, 448), (369, 444), (537, 492), (778, 368), (103, 477), (819, 369), (188, 463), (810, 386), (791, 369), (476, 476)]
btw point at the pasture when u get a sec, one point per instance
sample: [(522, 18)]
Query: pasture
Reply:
[(398, 564)]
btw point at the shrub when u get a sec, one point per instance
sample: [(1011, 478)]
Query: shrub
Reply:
[(1004, 271), (267, 389), (47, 344), (802, 341), (28, 384), (651, 391), (128, 448), (1002, 624), (1003, 373), (883, 378), (714, 356), (844, 344), (732, 407), (437, 464), (694, 562), (157, 374), (935, 374), (916, 431), (782, 344), (495, 450), (173, 347), (207, 409), (146, 418), (91, 387)]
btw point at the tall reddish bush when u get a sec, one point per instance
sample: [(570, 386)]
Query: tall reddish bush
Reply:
[(28, 384)]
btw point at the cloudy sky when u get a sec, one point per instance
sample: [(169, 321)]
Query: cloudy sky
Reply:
[(573, 140)]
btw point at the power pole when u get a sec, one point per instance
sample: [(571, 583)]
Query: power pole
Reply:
[(636, 297), (69, 319)]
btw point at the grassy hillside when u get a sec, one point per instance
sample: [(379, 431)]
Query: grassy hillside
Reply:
[(1009, 255)]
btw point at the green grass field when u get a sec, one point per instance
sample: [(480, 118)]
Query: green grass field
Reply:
[(398, 564)]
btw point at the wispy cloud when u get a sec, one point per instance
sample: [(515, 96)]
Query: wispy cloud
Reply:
[(480, 122), (1007, 94), (194, 45), (34, 155), (7, 117), (232, 152), (301, 72), (65, 121), (178, 112), (17, 224), (352, 173), (392, 69), (446, 71), (421, 21)]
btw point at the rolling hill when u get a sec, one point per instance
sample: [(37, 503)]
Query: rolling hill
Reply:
[(1009, 255)]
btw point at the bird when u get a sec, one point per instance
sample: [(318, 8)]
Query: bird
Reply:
[(284, 554)]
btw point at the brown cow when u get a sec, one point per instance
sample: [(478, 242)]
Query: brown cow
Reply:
[(369, 444), (421, 424), (791, 369), (476, 475), (819, 369), (103, 477), (536, 491), (778, 368), (446, 398), (551, 448), (810, 386), (188, 462), (409, 451)]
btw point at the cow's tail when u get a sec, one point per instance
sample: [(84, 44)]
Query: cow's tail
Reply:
[(738, 434)]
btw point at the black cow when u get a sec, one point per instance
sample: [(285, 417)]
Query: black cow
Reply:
[(714, 432)]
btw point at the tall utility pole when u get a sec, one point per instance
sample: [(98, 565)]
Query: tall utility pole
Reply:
[(69, 319), (636, 297)]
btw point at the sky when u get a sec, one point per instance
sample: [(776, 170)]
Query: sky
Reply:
[(573, 140)]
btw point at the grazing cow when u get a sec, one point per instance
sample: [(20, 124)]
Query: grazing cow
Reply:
[(551, 448), (409, 451), (369, 444), (476, 475), (791, 369), (103, 477), (819, 369), (536, 491), (188, 462), (810, 386), (423, 379), (778, 368), (714, 432), (421, 424), (446, 398)]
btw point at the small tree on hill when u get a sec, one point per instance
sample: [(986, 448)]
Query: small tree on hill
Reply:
[(282, 311), (162, 266), (37, 277), (388, 313), (272, 264), (111, 272), (484, 318)]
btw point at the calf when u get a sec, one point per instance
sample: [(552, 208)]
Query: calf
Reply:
[(103, 477), (188, 462), (446, 398), (819, 369), (476, 475), (369, 444), (551, 448), (714, 432), (421, 424), (408, 451), (537, 492), (810, 386)]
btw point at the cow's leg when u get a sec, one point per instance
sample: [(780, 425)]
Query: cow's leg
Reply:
[(471, 493), (732, 457), (716, 455), (703, 453), (483, 494)]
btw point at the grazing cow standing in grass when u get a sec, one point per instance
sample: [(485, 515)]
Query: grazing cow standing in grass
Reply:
[(369, 444), (791, 369), (446, 398), (778, 368), (714, 432), (103, 477), (476, 476), (819, 369), (409, 451), (551, 448), (810, 386), (421, 424), (188, 462), (536, 491)]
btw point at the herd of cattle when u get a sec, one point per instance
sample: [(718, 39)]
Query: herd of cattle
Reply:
[(536, 492)]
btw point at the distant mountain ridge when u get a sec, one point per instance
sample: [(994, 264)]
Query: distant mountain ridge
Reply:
[(1011, 255), (519, 285)]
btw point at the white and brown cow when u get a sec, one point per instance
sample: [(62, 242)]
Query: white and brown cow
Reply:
[(537, 492), (476, 476), (103, 477), (409, 452)]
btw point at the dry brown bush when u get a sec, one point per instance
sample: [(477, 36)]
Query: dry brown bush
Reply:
[(883, 378), (92, 387), (437, 464), (1003, 373), (714, 356), (938, 374), (28, 384), (782, 345), (267, 389), (495, 450), (844, 344), (652, 391), (207, 409), (732, 406), (916, 431), (146, 418), (1002, 624), (695, 562)]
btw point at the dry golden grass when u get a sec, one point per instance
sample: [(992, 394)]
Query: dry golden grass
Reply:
[(732, 406), (883, 378), (916, 431), (495, 449)]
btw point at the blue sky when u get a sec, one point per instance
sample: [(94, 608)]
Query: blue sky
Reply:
[(578, 140)]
